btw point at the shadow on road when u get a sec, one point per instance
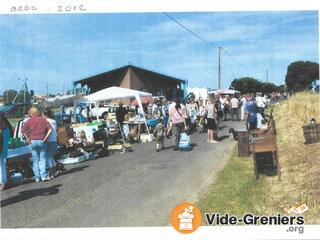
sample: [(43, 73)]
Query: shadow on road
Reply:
[(193, 145), (169, 147), (73, 170), (25, 195)]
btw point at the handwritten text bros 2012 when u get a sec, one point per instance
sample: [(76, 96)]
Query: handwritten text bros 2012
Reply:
[(59, 8)]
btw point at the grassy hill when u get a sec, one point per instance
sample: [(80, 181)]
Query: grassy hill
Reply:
[(237, 192)]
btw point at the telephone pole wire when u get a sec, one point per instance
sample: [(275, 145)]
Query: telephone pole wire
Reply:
[(47, 89)]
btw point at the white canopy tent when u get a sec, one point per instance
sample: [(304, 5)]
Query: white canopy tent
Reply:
[(115, 93), (224, 91)]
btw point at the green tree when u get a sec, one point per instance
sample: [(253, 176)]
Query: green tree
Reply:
[(267, 87), (245, 85), (300, 75), (252, 85), (9, 95), (282, 88)]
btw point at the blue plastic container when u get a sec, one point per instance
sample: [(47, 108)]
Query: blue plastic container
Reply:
[(17, 178)]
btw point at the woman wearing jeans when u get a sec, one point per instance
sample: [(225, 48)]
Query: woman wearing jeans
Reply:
[(52, 143), (37, 130), (177, 117)]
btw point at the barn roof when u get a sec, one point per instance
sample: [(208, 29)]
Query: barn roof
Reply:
[(115, 73)]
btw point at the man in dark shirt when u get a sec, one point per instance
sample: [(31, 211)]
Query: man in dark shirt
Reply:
[(121, 113)]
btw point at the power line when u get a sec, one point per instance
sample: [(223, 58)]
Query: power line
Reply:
[(204, 40), (187, 29)]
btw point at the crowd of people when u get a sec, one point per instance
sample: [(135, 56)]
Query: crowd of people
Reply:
[(173, 118)]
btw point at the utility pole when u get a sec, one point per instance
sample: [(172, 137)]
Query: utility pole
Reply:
[(219, 67), (24, 95), (47, 90), (15, 98), (24, 88), (267, 76)]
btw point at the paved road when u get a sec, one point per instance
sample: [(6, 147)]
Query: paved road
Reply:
[(139, 188)]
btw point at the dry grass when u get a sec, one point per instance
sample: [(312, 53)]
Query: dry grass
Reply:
[(300, 163), (303, 106), (236, 191)]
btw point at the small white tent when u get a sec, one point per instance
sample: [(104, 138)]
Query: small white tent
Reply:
[(114, 93), (224, 91)]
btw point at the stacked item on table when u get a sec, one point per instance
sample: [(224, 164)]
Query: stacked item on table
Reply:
[(81, 147), (136, 118), (64, 134)]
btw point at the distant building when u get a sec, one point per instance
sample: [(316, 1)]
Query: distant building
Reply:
[(134, 78), (199, 93)]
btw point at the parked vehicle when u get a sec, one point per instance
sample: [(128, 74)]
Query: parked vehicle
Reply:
[(103, 111), (65, 118)]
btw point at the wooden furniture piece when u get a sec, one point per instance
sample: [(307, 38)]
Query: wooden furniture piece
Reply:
[(263, 141), (266, 145), (243, 143)]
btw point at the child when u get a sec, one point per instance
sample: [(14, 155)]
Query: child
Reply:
[(159, 132), (126, 129)]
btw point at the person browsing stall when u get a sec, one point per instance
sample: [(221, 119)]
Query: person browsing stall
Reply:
[(52, 143), (37, 130), (251, 111), (159, 133), (234, 102), (121, 113), (211, 118), (177, 116)]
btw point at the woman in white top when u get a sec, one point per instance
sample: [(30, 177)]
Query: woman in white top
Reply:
[(52, 142), (211, 120)]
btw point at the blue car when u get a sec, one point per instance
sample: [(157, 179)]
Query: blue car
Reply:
[(10, 107), (65, 118)]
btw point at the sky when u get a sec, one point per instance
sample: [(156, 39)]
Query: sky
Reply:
[(61, 49)]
